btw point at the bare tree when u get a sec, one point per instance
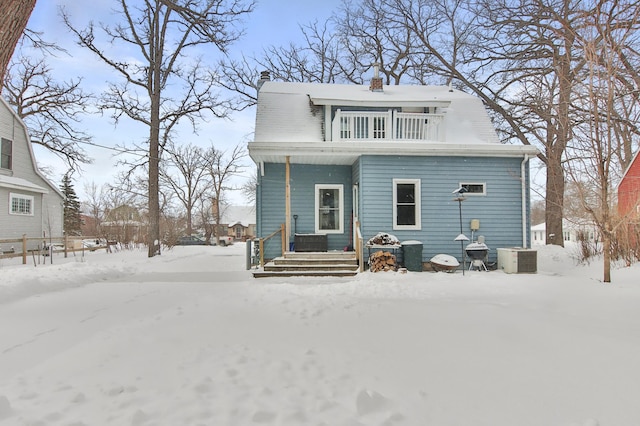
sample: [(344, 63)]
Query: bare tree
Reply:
[(163, 32), (315, 60), (221, 168), (94, 205), (610, 28), (537, 212), (520, 58), (341, 49), (52, 110), (250, 187), (13, 20), (369, 35), (184, 175)]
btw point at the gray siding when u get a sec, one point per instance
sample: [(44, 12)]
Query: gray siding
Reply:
[(499, 211), (48, 214), (271, 200)]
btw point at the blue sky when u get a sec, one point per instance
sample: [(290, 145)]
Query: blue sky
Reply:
[(274, 22)]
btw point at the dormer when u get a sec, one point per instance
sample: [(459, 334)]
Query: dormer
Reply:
[(383, 115)]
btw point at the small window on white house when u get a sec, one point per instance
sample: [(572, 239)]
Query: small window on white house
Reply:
[(474, 188), (329, 209), (406, 204), (20, 204)]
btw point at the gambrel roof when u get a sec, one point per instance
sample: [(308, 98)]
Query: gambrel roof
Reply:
[(292, 117)]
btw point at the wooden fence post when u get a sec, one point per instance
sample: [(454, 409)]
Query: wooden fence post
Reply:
[(261, 252), (24, 249)]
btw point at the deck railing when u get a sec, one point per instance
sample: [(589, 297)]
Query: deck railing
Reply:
[(262, 241), (387, 125)]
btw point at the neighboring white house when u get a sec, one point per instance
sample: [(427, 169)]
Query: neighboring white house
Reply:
[(29, 204), (571, 232)]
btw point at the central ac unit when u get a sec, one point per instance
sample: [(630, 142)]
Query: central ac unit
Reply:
[(517, 260)]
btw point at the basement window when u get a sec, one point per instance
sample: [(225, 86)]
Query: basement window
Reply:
[(474, 188)]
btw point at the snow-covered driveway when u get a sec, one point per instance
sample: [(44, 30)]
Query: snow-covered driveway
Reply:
[(189, 338)]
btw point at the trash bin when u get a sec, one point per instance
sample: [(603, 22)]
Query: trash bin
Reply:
[(412, 255)]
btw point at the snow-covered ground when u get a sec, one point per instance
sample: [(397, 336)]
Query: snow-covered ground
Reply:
[(190, 338)]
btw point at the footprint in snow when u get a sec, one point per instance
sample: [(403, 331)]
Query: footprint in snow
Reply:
[(5, 408), (263, 417), (370, 402)]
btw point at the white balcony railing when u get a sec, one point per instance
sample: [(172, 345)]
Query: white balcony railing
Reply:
[(389, 125)]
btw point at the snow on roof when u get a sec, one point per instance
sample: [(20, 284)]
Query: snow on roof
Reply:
[(22, 184), (233, 215), (291, 111), (566, 225)]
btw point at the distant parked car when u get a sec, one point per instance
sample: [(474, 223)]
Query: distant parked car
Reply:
[(225, 240), (190, 240)]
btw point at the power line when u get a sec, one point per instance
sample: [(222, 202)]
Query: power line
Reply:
[(97, 145)]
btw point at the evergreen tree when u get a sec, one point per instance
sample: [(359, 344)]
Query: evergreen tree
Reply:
[(72, 219)]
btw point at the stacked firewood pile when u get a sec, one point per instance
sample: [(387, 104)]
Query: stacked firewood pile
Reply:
[(382, 261)]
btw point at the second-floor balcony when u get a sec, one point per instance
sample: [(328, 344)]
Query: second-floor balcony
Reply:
[(387, 126)]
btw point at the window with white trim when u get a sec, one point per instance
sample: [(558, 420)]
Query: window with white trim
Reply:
[(329, 209), (6, 154), (21, 204), (406, 204), (474, 188)]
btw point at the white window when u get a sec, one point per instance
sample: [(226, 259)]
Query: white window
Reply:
[(20, 204), (474, 188), (406, 204), (329, 209)]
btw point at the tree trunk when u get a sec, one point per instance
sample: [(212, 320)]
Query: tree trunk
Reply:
[(556, 147), (13, 20), (606, 257), (189, 220), (154, 162), (554, 201), (154, 192)]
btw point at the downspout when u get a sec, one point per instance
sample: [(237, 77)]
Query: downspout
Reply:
[(524, 200)]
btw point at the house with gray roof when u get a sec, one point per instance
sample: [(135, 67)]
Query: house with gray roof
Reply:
[(29, 204), (346, 161)]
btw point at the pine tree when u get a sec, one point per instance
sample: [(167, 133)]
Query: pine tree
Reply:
[(72, 219)]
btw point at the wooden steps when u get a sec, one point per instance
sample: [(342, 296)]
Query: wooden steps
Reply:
[(311, 264)]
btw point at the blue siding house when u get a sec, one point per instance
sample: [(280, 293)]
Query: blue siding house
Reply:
[(335, 157)]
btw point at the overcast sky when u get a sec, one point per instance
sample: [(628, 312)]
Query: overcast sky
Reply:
[(274, 22)]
